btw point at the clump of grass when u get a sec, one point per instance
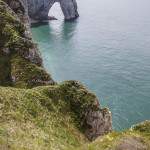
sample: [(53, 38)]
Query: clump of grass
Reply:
[(27, 74), (143, 127)]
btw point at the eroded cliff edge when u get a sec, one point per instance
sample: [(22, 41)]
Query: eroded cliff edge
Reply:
[(21, 56), (35, 111)]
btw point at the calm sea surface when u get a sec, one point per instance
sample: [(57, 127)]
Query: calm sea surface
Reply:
[(107, 49)]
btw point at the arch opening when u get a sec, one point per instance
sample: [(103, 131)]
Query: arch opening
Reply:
[(55, 12)]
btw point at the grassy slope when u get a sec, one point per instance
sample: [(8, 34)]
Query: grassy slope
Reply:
[(42, 118), (37, 119)]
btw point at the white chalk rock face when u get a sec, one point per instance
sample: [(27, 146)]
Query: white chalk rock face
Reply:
[(69, 8), (39, 9)]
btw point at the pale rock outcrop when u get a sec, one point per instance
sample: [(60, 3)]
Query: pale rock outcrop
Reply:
[(98, 123), (69, 8), (94, 120), (38, 9)]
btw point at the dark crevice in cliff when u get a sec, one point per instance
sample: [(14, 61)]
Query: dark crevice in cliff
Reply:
[(5, 69)]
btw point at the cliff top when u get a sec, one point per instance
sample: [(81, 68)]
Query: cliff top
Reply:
[(44, 118)]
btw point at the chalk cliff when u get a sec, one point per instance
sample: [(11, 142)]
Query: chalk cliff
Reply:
[(38, 9)]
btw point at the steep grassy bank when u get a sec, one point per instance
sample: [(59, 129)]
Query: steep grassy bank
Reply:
[(44, 118), (38, 118)]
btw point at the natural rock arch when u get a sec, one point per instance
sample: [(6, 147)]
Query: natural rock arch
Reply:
[(38, 9)]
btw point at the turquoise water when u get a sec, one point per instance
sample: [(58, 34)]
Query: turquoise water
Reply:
[(107, 49)]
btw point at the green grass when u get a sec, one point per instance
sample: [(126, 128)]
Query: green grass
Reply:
[(32, 119), (27, 74), (45, 118)]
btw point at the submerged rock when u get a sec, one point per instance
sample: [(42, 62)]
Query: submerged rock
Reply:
[(52, 18)]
